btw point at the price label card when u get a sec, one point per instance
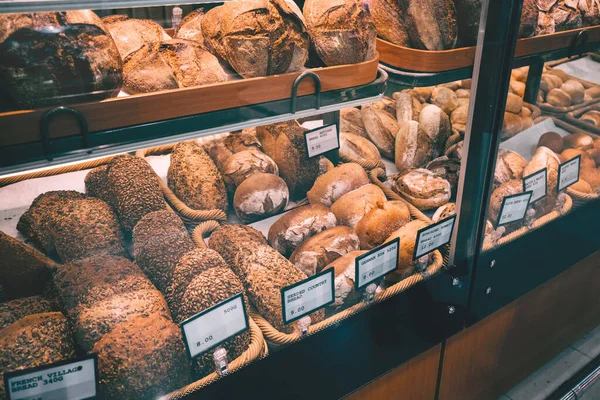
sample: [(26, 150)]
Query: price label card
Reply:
[(376, 263), (322, 140), (307, 296), (537, 183), (211, 327), (514, 208), (568, 173), (72, 379), (434, 236)]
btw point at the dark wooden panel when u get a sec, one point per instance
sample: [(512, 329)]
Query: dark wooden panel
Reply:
[(415, 380), (493, 355)]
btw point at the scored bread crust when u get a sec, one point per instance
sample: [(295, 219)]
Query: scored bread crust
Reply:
[(352, 207), (389, 21), (245, 163), (413, 146), (358, 148), (260, 196), (130, 34), (423, 188), (379, 223), (228, 240), (336, 182), (381, 128), (431, 24)]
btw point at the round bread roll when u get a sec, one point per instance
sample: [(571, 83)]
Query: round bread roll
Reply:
[(509, 188), (408, 238), (443, 212), (514, 103), (591, 117), (260, 196), (351, 207), (525, 112), (445, 99), (293, 228), (459, 117), (562, 75), (324, 248), (544, 158), (553, 141), (558, 98), (586, 160), (379, 223), (436, 125), (423, 189), (574, 89), (517, 88), (381, 128), (414, 147), (360, 149), (241, 165), (577, 140), (520, 74), (550, 82), (344, 275), (351, 122), (594, 155), (582, 186), (591, 176), (512, 124), (509, 166), (337, 182)]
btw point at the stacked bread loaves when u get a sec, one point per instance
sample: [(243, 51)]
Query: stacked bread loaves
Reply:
[(560, 90)]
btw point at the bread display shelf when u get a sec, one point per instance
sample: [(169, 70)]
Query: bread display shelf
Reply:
[(573, 118), (444, 60), (549, 109)]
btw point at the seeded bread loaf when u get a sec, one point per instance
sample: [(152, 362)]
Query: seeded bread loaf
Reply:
[(130, 34), (13, 310), (337, 182), (228, 240), (142, 358), (96, 184)]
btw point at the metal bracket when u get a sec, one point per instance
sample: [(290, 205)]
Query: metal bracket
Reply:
[(294, 97), (45, 128), (580, 40)]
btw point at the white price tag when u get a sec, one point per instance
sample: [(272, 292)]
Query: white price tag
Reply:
[(376, 263), (63, 380), (434, 236), (514, 208), (568, 173), (307, 296), (322, 140), (211, 327), (536, 183)]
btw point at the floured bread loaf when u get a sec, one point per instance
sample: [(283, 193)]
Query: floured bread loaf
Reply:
[(245, 163), (360, 149), (131, 34), (381, 128), (436, 124), (337, 182), (509, 166), (431, 24), (352, 207), (408, 107), (260, 196), (422, 188), (414, 147), (351, 122)]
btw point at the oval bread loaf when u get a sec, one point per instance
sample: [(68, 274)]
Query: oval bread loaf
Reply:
[(381, 128), (229, 240), (509, 165), (245, 163), (260, 196), (337, 182), (359, 149), (436, 124), (351, 122), (423, 189), (379, 223), (351, 207), (413, 146)]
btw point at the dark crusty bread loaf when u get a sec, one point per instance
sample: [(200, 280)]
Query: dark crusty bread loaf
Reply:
[(190, 27), (135, 189), (341, 30), (32, 341), (96, 184), (389, 21), (559, 15), (431, 24), (285, 144), (56, 58), (529, 18), (468, 14), (14, 310), (23, 270), (228, 240), (241, 165), (159, 240), (130, 34), (259, 196), (142, 358), (195, 179)]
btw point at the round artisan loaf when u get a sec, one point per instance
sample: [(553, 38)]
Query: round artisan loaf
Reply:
[(445, 99), (436, 124), (446, 168), (577, 140), (358, 149), (422, 188), (544, 158), (352, 207), (344, 272), (408, 237), (260, 196), (511, 125), (130, 34), (258, 37), (586, 160), (574, 89), (443, 212), (509, 188), (414, 147), (381, 128), (342, 31), (294, 227), (13, 310), (591, 117), (324, 248), (558, 98), (96, 184), (34, 340), (509, 166), (245, 163), (408, 107), (85, 67), (337, 182), (379, 223), (351, 122), (431, 24), (195, 179), (388, 18), (142, 358), (553, 141)]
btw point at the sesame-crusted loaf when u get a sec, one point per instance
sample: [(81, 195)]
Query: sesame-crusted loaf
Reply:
[(98, 319), (96, 184), (206, 290), (88, 281), (192, 263), (159, 241), (142, 358), (34, 223), (228, 240), (14, 310), (135, 189), (23, 270), (34, 340)]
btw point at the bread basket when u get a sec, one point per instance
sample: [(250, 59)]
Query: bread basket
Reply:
[(574, 118)]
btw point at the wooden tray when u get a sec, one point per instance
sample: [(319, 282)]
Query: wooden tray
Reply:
[(444, 60), (19, 127), (573, 118)]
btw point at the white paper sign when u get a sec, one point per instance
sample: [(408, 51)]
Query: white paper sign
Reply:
[(322, 140), (537, 184), (568, 173), (514, 208), (307, 296), (434, 236), (211, 327), (376, 263), (65, 380)]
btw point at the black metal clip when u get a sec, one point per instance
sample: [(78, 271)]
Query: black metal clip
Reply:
[(299, 79), (45, 128), (580, 40)]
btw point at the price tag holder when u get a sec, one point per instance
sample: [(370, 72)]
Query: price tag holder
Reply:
[(568, 173), (434, 236), (211, 327), (536, 183), (322, 140), (514, 208), (376, 263), (307, 296), (70, 379)]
